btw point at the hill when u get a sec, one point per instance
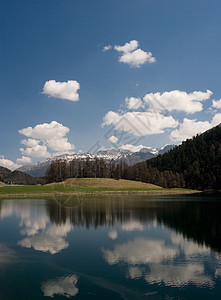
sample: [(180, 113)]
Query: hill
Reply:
[(197, 159), (4, 172), (17, 177), (105, 183)]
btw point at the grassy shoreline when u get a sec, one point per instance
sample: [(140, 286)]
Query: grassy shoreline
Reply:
[(9, 192), (88, 186)]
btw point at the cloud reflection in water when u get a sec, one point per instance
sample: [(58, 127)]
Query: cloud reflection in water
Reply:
[(64, 286)]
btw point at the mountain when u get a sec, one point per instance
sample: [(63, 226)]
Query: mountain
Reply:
[(4, 172), (127, 153), (197, 159), (17, 177)]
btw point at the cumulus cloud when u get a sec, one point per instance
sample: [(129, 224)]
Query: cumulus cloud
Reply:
[(128, 47), (177, 100), (64, 286), (140, 123), (133, 103), (217, 104), (134, 148), (133, 56), (36, 151), (45, 131), (43, 136), (63, 90), (6, 163), (30, 142), (24, 160), (113, 139), (106, 48), (190, 128)]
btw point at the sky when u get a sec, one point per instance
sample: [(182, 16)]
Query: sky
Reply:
[(78, 75)]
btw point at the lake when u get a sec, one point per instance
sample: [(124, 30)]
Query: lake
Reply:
[(111, 247)]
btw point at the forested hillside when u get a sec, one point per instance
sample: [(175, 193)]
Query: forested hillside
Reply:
[(197, 159), (17, 177)]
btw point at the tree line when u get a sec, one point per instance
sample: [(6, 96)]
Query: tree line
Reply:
[(60, 170), (195, 164)]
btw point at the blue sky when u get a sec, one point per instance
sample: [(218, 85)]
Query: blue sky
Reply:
[(61, 92)]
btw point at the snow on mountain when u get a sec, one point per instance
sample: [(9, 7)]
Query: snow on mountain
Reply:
[(129, 153)]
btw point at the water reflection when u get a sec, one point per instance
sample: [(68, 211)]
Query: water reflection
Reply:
[(178, 263), (51, 239), (63, 286), (7, 255), (35, 224), (117, 244)]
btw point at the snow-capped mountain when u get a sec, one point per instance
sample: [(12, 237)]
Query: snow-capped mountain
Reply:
[(129, 153)]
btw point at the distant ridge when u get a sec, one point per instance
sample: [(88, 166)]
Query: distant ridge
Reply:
[(17, 177), (130, 156)]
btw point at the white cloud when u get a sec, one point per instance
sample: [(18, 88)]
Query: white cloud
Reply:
[(139, 123), (106, 48), (133, 103), (60, 144), (63, 90), (6, 163), (190, 128), (36, 151), (113, 139), (177, 100), (24, 160), (52, 135), (133, 56), (137, 58), (64, 286), (128, 47), (45, 131), (217, 104), (30, 142), (134, 148)]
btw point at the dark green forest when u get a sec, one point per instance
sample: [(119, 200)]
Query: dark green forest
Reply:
[(197, 159)]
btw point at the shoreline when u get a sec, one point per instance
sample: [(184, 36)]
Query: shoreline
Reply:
[(153, 192)]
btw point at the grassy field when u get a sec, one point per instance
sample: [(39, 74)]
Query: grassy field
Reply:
[(86, 186)]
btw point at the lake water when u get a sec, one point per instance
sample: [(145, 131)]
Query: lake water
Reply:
[(112, 247)]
